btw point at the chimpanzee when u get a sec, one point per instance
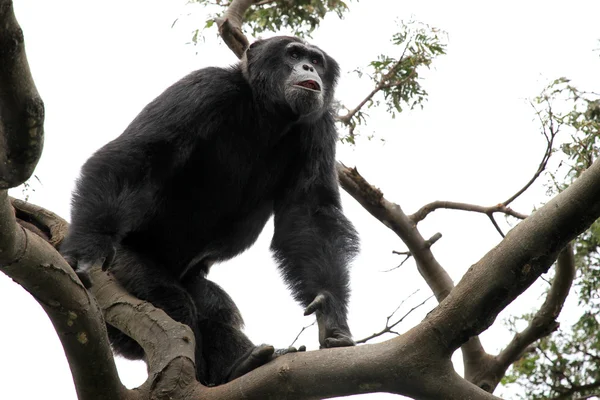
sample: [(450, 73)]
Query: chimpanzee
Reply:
[(193, 181)]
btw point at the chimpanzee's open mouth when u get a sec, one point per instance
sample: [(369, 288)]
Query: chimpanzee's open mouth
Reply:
[(310, 85)]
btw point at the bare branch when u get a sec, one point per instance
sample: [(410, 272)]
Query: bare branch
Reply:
[(230, 26), (392, 216), (491, 217), (300, 333), (550, 135), (429, 242), (44, 223), (452, 205), (21, 107), (407, 255), (388, 328)]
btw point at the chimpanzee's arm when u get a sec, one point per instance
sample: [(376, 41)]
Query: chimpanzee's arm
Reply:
[(314, 242), (116, 192), (108, 201)]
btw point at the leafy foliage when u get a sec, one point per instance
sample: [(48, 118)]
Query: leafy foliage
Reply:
[(566, 365), (302, 17), (396, 79)]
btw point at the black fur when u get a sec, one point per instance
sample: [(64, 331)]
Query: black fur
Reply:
[(194, 179)]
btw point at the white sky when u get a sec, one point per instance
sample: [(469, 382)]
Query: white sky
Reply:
[(96, 64)]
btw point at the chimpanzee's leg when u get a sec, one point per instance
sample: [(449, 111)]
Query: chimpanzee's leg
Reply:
[(147, 281), (227, 350)]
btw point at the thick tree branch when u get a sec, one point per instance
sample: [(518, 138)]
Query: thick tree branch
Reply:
[(21, 108), (392, 216), (490, 370), (230, 26), (544, 321), (44, 223), (169, 345), (411, 365), (515, 263), (26, 257), (35, 265), (392, 366)]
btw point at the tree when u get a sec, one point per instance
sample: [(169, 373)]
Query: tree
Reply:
[(416, 364), (566, 365)]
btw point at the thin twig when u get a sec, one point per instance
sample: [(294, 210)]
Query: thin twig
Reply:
[(550, 136), (549, 131), (453, 205), (300, 333), (382, 84), (407, 255), (491, 217), (388, 328), (428, 243)]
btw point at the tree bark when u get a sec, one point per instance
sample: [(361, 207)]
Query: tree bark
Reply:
[(21, 108)]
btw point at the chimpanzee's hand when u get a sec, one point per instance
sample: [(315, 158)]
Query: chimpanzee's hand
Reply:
[(333, 328), (82, 253)]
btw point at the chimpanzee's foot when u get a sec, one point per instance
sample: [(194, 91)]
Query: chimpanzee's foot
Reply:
[(280, 352), (333, 330), (257, 357)]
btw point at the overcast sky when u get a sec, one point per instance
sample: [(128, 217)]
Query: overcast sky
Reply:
[(96, 64)]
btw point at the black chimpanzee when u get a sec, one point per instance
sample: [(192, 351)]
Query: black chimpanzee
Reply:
[(193, 181)]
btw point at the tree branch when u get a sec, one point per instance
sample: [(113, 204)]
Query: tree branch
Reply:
[(44, 223), (384, 83), (388, 328), (392, 216), (388, 366), (503, 207), (453, 205), (544, 321), (230, 26), (21, 108), (514, 264), (37, 267), (550, 136), (407, 254), (168, 345), (489, 371), (410, 365)]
